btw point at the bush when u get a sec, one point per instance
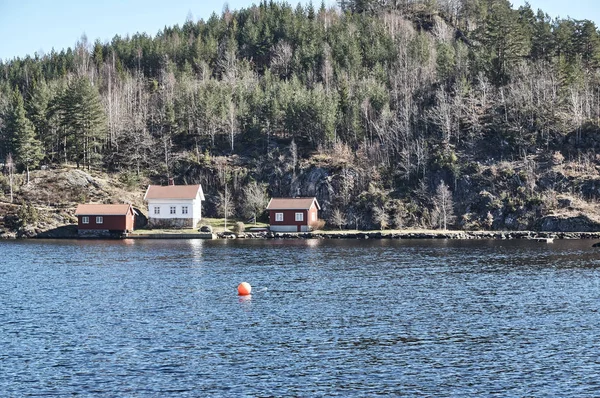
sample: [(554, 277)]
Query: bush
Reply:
[(319, 224), (557, 158), (239, 227), (206, 228), (130, 179), (27, 214)]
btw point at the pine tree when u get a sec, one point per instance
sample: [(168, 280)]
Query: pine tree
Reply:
[(27, 148), (542, 42), (505, 39), (84, 121), (38, 112)]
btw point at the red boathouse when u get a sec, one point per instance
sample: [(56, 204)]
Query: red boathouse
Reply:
[(100, 219), (293, 214)]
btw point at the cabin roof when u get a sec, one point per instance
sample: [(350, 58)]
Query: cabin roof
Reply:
[(102, 210), (174, 192), (292, 203)]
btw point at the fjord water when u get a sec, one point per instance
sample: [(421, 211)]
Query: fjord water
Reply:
[(342, 318)]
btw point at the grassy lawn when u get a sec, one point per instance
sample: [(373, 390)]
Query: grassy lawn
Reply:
[(387, 231), (217, 224), (164, 231)]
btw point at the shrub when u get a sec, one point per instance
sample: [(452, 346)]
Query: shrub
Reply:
[(130, 179), (557, 158), (239, 227), (27, 214), (319, 224)]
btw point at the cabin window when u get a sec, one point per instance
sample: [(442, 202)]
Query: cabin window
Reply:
[(99, 220), (85, 220), (172, 210), (156, 210), (184, 210), (278, 216), (314, 216), (299, 216)]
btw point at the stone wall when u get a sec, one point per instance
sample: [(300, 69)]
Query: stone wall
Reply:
[(99, 233), (161, 223)]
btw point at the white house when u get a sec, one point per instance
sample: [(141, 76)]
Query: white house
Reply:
[(174, 206)]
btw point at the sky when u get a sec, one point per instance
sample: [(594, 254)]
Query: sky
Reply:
[(30, 26), (576, 9)]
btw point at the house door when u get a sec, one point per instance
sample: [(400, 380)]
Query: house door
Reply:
[(299, 228)]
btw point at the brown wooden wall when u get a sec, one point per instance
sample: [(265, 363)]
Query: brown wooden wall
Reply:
[(289, 217), (111, 223)]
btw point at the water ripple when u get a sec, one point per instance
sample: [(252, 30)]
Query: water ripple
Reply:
[(326, 318)]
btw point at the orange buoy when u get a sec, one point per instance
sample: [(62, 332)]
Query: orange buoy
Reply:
[(244, 289)]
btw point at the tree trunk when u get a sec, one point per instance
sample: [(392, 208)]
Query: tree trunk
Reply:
[(11, 183)]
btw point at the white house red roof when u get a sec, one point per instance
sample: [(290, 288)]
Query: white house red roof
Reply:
[(174, 192), (292, 203), (102, 210)]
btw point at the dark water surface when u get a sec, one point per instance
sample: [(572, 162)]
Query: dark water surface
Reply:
[(326, 318)]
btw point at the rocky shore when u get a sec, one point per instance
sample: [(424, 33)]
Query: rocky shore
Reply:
[(457, 235)]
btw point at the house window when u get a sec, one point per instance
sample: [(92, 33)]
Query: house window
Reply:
[(85, 220), (278, 216), (314, 216), (99, 220), (156, 210), (184, 210), (172, 210), (299, 216)]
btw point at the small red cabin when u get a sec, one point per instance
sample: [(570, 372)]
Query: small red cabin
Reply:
[(293, 214), (97, 218)]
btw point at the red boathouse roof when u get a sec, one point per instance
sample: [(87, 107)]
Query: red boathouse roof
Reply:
[(102, 210), (292, 203)]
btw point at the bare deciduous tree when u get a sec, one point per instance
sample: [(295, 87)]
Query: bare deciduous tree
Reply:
[(399, 216), (380, 217), (10, 165), (282, 58), (256, 199), (232, 121), (225, 204), (294, 154), (443, 206), (338, 218)]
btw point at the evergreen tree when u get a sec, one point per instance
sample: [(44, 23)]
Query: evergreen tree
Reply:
[(542, 42), (504, 38), (587, 42), (83, 119), (27, 148), (38, 112)]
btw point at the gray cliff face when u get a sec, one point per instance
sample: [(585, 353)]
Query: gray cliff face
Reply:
[(569, 224), (315, 181)]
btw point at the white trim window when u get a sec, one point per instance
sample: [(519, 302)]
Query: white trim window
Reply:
[(279, 217), (172, 210), (99, 220), (85, 220), (184, 210), (299, 216), (156, 209)]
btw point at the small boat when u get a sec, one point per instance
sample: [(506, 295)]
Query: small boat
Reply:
[(544, 240)]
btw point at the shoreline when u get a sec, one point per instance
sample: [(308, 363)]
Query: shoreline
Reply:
[(454, 235), (352, 234)]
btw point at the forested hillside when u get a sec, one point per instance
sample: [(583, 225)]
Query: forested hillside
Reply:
[(393, 113)]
